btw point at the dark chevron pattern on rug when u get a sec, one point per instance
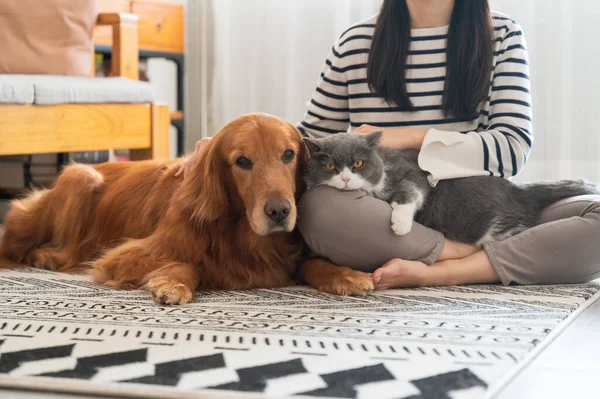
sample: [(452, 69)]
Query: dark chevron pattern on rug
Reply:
[(342, 383), (254, 379), (413, 343), (440, 386), (87, 367), (12, 360), (169, 373)]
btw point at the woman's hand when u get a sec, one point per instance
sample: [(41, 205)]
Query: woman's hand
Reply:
[(193, 160), (396, 137)]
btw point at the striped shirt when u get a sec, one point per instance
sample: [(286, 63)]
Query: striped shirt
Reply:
[(494, 142)]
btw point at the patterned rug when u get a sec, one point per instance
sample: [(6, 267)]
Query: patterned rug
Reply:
[(60, 332)]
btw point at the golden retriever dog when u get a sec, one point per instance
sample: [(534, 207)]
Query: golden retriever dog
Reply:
[(228, 225)]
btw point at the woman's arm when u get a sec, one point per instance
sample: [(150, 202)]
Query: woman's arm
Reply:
[(501, 146), (327, 111), (400, 138)]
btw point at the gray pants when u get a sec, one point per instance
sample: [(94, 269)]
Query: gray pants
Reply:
[(353, 229)]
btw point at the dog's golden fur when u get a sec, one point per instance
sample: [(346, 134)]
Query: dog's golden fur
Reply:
[(136, 224)]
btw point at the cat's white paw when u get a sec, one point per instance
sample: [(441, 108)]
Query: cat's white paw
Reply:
[(402, 227), (402, 218)]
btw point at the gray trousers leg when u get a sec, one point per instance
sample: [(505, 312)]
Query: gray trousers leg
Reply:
[(353, 229), (564, 248)]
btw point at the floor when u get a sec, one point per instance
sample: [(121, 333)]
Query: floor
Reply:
[(568, 368)]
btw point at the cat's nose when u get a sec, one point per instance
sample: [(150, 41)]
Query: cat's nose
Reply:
[(345, 179)]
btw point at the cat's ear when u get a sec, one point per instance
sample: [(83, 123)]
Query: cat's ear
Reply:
[(373, 139), (312, 145)]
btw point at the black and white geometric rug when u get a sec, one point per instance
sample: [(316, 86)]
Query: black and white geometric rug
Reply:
[(61, 332)]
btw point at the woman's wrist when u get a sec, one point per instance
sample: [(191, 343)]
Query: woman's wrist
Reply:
[(417, 138)]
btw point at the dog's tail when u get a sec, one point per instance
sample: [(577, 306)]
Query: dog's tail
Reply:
[(24, 229), (544, 194), (61, 214)]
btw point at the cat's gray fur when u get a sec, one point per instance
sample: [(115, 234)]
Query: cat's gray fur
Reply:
[(471, 210)]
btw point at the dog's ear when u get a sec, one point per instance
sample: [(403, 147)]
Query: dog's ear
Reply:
[(205, 191)]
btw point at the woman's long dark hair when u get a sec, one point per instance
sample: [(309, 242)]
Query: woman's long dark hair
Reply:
[(468, 56)]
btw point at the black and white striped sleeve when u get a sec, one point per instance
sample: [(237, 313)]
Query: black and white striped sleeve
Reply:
[(328, 110), (501, 146)]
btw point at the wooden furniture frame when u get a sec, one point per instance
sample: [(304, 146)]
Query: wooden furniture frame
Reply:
[(142, 127)]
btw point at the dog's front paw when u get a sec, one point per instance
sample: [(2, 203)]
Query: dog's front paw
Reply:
[(402, 218), (348, 282), (168, 291), (46, 258)]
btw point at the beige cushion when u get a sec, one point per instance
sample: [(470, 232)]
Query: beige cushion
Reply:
[(15, 90), (51, 90), (47, 36)]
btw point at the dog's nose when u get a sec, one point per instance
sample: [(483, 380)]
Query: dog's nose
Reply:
[(278, 209)]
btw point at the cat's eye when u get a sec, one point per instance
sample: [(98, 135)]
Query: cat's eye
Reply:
[(243, 163), (358, 164), (330, 167), (288, 156)]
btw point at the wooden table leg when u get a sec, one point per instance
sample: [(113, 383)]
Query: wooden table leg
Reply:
[(159, 149)]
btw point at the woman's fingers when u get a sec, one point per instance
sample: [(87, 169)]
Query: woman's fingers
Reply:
[(366, 129), (200, 144), (193, 160), (186, 168)]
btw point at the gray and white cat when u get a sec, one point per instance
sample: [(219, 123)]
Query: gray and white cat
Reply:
[(471, 210)]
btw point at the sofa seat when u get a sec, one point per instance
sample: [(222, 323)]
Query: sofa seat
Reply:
[(53, 90)]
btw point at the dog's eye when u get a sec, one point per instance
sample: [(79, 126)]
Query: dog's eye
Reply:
[(243, 163), (330, 167), (288, 156), (358, 164)]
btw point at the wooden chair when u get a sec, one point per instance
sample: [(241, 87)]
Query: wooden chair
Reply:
[(47, 125)]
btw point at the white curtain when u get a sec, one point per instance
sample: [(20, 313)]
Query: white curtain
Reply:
[(266, 55), (259, 55)]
